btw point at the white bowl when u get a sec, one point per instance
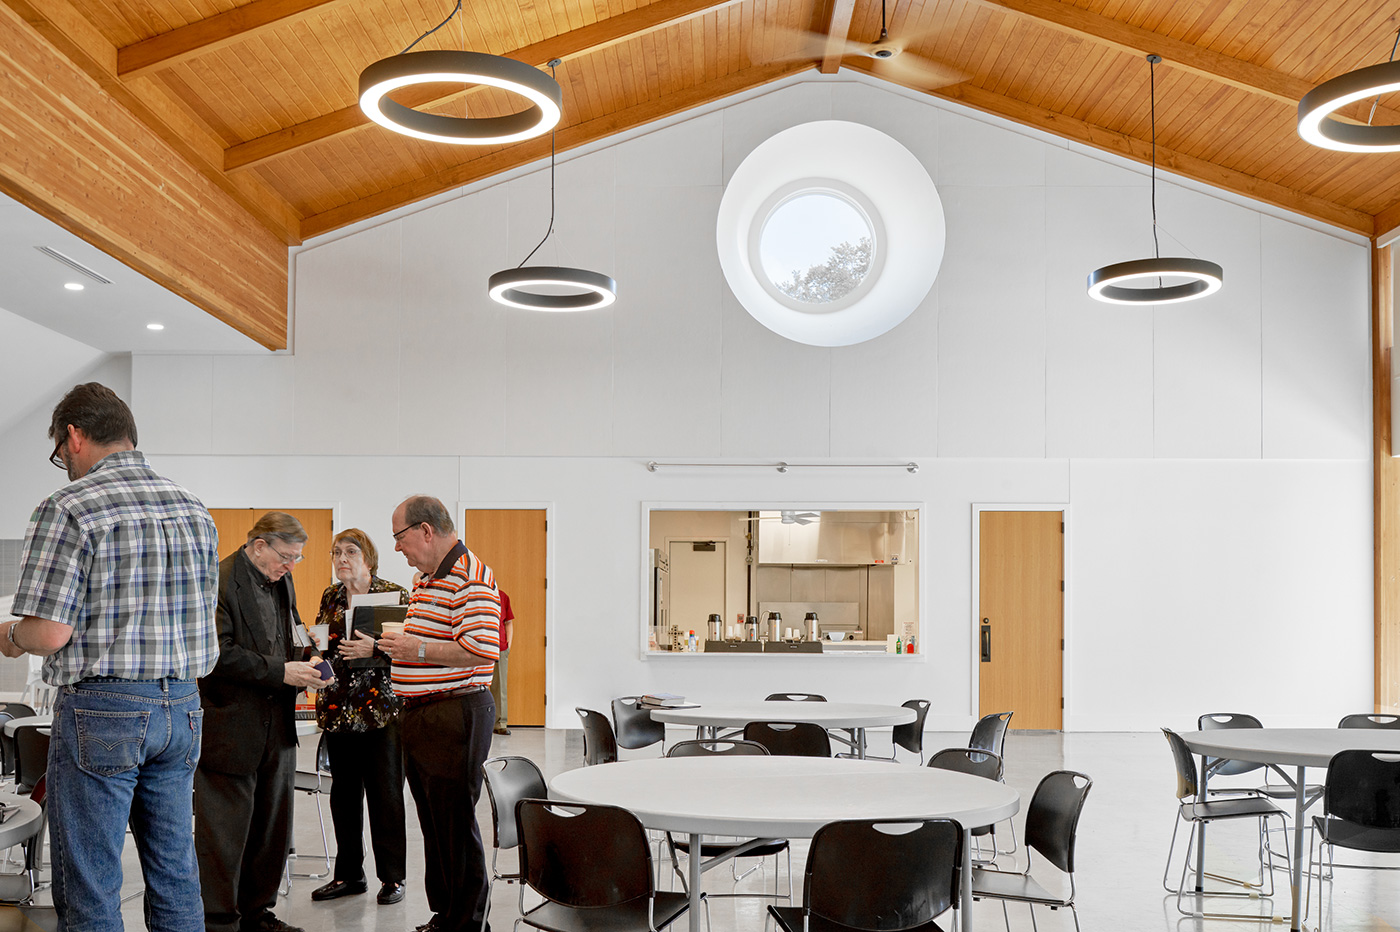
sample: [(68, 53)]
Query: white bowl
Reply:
[(836, 635)]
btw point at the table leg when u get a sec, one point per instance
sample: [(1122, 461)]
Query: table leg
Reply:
[(1300, 802), (694, 865), (859, 734), (1201, 830), (965, 893)]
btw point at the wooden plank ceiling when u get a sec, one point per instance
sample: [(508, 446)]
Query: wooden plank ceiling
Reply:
[(260, 97)]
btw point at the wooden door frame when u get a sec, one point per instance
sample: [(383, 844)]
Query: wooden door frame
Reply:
[(974, 660), (463, 506)]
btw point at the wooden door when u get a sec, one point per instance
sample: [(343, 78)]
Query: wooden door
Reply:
[(313, 574), (1020, 626), (513, 543)]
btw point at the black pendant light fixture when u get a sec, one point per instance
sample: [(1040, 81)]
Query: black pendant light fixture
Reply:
[(539, 90), (1315, 122), (578, 289), (1113, 284)]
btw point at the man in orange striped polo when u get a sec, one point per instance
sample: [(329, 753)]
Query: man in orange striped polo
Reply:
[(442, 669)]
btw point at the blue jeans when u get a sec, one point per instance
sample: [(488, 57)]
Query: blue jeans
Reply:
[(124, 752)]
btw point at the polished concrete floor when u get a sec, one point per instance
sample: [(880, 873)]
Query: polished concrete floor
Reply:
[(1123, 838)]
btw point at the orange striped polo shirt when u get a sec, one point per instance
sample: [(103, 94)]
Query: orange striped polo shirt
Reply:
[(459, 602)]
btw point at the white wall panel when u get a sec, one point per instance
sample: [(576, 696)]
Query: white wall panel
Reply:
[(972, 151), (268, 424), (175, 397), (37, 363), (750, 122), (686, 154), (1098, 356), (991, 334), (1207, 353), (1317, 358), (667, 330), (902, 118), (1201, 586)]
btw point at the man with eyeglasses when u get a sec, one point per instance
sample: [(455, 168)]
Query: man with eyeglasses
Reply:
[(117, 588), (243, 788)]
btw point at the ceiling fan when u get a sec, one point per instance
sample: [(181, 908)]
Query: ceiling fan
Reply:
[(888, 57), (790, 517)]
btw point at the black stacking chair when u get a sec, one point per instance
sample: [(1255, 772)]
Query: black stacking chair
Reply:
[(989, 734), (1360, 811), (978, 763), (1052, 824), (508, 780), (592, 864), (32, 846), (790, 739), (633, 726), (909, 736), (317, 784), (599, 744), (1369, 720), (877, 876), (729, 747), (794, 697), (31, 756), (1192, 813)]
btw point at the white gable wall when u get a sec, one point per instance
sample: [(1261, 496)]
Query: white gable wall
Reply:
[(1214, 458)]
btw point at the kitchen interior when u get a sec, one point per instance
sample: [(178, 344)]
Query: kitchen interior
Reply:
[(786, 581)]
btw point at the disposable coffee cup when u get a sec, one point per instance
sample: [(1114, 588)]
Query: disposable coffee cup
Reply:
[(392, 627)]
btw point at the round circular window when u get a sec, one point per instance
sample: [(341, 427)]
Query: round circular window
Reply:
[(830, 233)]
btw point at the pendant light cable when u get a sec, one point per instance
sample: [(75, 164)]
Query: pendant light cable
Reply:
[(1372, 115), (552, 134), (455, 10), (1152, 61)]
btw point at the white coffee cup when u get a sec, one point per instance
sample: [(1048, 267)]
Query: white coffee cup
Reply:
[(394, 627)]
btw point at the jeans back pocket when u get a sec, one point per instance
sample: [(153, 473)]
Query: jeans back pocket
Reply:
[(110, 742)]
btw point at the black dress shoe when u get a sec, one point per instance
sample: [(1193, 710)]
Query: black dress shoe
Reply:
[(390, 893), (502, 730), (430, 926), (267, 922), (338, 888)]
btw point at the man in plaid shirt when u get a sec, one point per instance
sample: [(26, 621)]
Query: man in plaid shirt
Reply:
[(117, 589)]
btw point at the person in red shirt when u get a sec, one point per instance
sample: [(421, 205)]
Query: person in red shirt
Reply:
[(498, 682)]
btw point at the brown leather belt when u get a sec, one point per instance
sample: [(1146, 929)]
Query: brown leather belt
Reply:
[(413, 702)]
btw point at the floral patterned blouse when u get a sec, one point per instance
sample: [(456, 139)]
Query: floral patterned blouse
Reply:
[(360, 699)]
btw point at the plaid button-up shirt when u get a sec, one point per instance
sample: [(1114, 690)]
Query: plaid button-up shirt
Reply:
[(129, 560)]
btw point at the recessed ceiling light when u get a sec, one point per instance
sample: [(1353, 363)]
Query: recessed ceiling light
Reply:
[(155, 326), (73, 286)]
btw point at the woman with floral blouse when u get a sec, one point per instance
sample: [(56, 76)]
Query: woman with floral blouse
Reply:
[(359, 714)]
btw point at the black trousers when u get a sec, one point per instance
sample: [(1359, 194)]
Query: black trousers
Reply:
[(445, 744), (242, 833), (367, 767)]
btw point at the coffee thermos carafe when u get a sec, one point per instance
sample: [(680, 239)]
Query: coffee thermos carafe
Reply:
[(716, 626), (812, 633), (775, 626), (751, 628)]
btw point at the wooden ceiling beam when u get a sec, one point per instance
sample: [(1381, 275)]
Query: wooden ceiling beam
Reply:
[(569, 137), (572, 44), (1192, 58), (78, 41), (838, 30), (206, 35), (93, 167), (1140, 150), (1387, 220)]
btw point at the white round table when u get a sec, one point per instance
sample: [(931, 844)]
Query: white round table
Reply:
[(853, 716), (731, 796), (1284, 747)]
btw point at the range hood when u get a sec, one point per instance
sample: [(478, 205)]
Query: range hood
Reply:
[(839, 538)]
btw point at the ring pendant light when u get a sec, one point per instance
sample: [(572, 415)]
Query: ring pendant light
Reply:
[(519, 287), (408, 68), (1112, 284), (1317, 126)]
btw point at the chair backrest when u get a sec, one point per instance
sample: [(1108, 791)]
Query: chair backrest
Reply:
[(989, 733), (31, 756), (599, 745), (17, 709), (1364, 787), (794, 697), (975, 761), (633, 726), (883, 876), (323, 754), (1221, 720), (1368, 720), (508, 781), (1185, 765), (910, 735), (717, 747), (1052, 821), (790, 739), (583, 855)]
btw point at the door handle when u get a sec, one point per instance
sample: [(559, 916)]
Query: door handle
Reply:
[(986, 642)]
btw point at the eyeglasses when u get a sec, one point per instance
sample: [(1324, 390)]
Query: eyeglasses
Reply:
[(347, 552), (282, 557), (54, 457), (398, 534)]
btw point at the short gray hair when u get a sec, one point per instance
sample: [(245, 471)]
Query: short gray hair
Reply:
[(278, 525), (424, 509)]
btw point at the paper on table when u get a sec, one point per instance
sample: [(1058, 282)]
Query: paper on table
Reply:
[(369, 598)]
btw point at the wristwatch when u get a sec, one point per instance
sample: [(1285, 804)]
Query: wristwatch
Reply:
[(422, 650)]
